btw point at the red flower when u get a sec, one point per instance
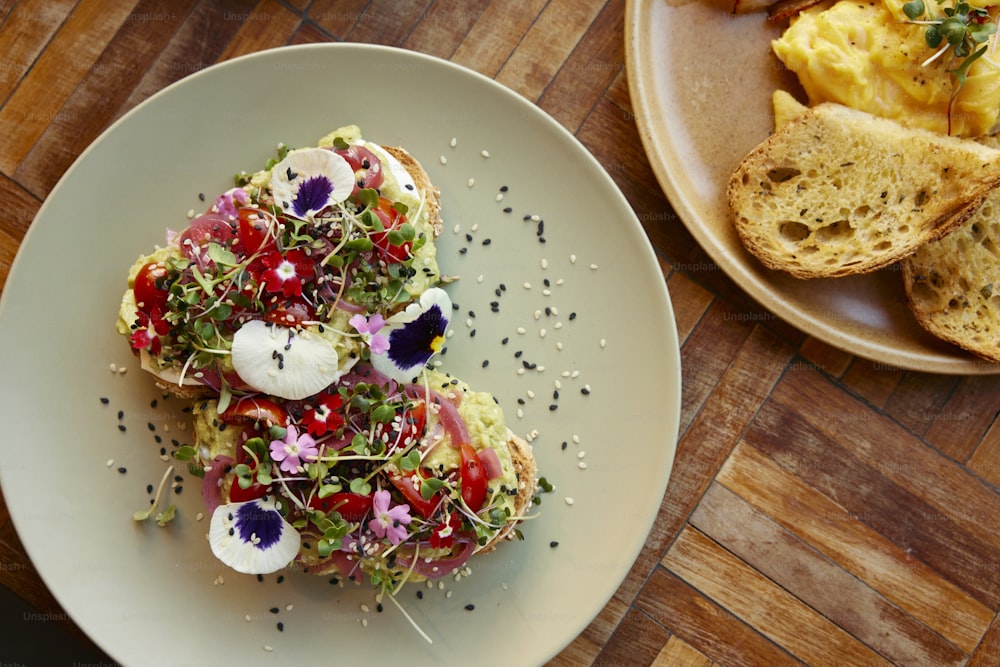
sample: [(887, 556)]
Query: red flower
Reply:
[(443, 535), (324, 417), (147, 334), (285, 273)]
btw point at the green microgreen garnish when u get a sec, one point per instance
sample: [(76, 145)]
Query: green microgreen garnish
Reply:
[(963, 30)]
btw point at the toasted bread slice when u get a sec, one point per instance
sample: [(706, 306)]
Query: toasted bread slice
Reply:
[(423, 183), (837, 191), (953, 284)]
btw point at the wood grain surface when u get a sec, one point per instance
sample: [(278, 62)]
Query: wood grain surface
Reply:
[(823, 509)]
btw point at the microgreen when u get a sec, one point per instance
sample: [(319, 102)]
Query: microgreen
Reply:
[(963, 30)]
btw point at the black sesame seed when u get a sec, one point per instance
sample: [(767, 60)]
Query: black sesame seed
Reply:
[(151, 426), (472, 334), (121, 414), (153, 403), (379, 608), (585, 391), (468, 237), (504, 340), (420, 595), (274, 610), (121, 427), (553, 407), (149, 488), (564, 445), (487, 241), (105, 400), (572, 316), (178, 490), (517, 355), (508, 209), (462, 251), (486, 362), (553, 544), (504, 188), (280, 626), (281, 578), (201, 196), (260, 578), (470, 607)]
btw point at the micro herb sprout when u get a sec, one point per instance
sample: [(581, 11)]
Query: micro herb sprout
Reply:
[(963, 30)]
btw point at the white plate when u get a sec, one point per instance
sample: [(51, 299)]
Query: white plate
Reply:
[(151, 595), (701, 106)]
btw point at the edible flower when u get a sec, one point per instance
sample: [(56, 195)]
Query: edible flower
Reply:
[(287, 362), (253, 537), (311, 180), (150, 327), (294, 450), (369, 328), (415, 335), (443, 536), (230, 201), (285, 273), (324, 417), (389, 522)]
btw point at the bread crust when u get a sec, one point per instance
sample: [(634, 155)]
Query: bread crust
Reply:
[(423, 183)]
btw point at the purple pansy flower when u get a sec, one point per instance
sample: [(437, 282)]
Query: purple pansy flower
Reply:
[(253, 537), (415, 335), (308, 181)]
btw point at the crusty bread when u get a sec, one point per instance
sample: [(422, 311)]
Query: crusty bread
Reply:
[(837, 191), (423, 183), (953, 284)]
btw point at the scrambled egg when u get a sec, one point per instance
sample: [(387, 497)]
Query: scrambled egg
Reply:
[(866, 56)]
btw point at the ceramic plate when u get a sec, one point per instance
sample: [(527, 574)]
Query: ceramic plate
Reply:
[(580, 297), (701, 105)]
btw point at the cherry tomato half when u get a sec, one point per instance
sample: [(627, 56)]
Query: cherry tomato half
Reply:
[(255, 411), (391, 219), (149, 290), (205, 229), (473, 477), (365, 164), (408, 488), (352, 506), (252, 230)]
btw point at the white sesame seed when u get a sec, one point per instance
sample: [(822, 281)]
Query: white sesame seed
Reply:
[(480, 278), (557, 384), (199, 516), (191, 213), (247, 618), (545, 263), (111, 462), (536, 218), (113, 368), (364, 608), (572, 259), (444, 160), (527, 285), (559, 345), (540, 369), (500, 197), (122, 370), (504, 586), (484, 153), (267, 647), (520, 371), (593, 267), (576, 439), (364, 622), (542, 332), (468, 322), (469, 183), (569, 501), (581, 454), (521, 330), (289, 607), (453, 142), (560, 281), (603, 343), (586, 388), (475, 227), (448, 594), (538, 314), (575, 374), (456, 228), (530, 394), (546, 292)]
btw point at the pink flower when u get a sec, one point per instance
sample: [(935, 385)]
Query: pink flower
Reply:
[(369, 328), (285, 273), (149, 327), (294, 450), (389, 522), (228, 202)]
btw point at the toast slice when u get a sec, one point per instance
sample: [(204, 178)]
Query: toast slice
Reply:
[(836, 191), (953, 284)]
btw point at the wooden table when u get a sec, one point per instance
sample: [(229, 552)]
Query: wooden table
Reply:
[(823, 509)]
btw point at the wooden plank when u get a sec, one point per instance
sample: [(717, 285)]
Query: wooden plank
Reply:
[(855, 546), (19, 207), (41, 94), (819, 582), (95, 102), (387, 21), (703, 624), (985, 461), (690, 301), (873, 381), (495, 35), (752, 370), (443, 27), (598, 58), (771, 610), (988, 652), (637, 641), (907, 491), (270, 24), (678, 653), (337, 17), (197, 44), (960, 425), (828, 358), (918, 398), (552, 37), (27, 29)]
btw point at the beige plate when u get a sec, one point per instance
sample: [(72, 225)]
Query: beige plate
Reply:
[(701, 83), (153, 595)]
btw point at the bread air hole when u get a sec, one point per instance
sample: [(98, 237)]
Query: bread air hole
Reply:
[(834, 231), (793, 232), (782, 174)]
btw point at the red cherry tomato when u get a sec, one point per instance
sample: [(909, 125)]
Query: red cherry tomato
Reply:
[(352, 506), (255, 411), (473, 478), (366, 165), (252, 230), (420, 505), (391, 218), (238, 494), (205, 229), (149, 289)]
